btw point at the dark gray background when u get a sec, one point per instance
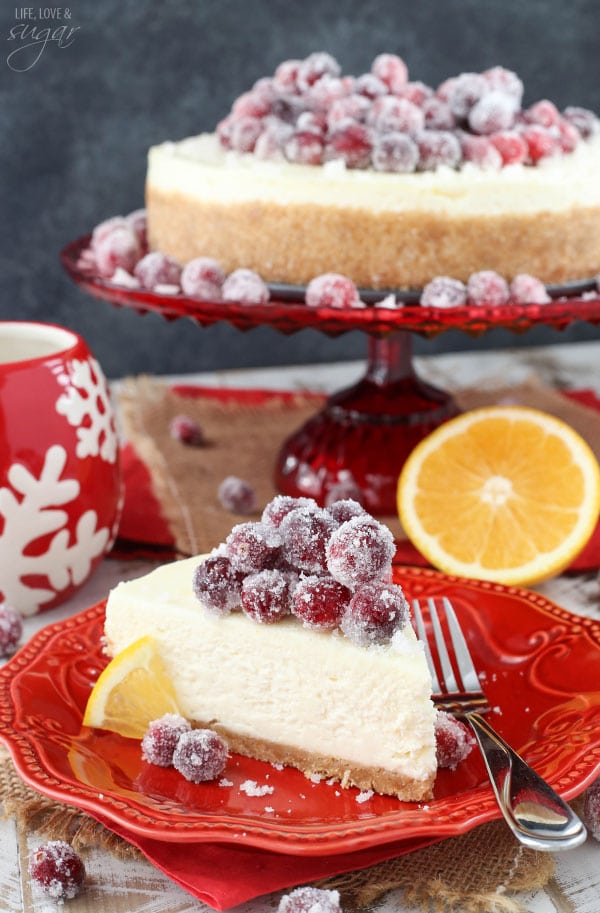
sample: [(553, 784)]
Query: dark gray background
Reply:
[(76, 126)]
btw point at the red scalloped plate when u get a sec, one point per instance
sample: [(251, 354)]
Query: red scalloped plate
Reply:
[(542, 670), (287, 314)]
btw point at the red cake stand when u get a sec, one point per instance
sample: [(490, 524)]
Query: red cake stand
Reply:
[(360, 439)]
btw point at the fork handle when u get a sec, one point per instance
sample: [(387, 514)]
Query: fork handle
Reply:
[(537, 816)]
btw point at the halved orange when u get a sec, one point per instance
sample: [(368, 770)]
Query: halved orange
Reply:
[(132, 691), (503, 493)]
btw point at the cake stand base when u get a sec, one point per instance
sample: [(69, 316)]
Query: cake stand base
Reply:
[(356, 445)]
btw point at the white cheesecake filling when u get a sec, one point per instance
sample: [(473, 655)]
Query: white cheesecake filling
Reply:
[(198, 167), (283, 682)]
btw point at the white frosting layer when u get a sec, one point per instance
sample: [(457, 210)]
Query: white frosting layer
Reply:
[(314, 691), (198, 167)]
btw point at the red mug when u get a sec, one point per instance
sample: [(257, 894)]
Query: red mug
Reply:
[(60, 482)]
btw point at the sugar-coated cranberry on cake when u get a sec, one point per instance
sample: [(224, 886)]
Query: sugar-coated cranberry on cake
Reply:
[(382, 179)]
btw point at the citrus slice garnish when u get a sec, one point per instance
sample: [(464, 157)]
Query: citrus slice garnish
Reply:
[(131, 691), (503, 493)]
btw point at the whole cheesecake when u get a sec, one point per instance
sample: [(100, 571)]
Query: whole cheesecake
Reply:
[(315, 696), (291, 186)]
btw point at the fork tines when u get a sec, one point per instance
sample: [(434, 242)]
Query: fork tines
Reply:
[(456, 685)]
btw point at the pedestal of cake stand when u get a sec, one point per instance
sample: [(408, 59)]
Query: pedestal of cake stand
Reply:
[(361, 438)]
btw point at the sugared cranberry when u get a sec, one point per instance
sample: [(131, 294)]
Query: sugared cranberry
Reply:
[(320, 601), (350, 142), (161, 737), (436, 148), (223, 131), (541, 143), (312, 122), (453, 740), (325, 91), (138, 222), (243, 133), (57, 869), (217, 584), (585, 122), (253, 547), (503, 80), (416, 91), (370, 86), (481, 152), (310, 900), (353, 108), (487, 287), (306, 532), (157, 269), (286, 75), (281, 505), (525, 289), (544, 112), (269, 143), (568, 135), (203, 277), (493, 112), (332, 290), (437, 114), (11, 629), (237, 495), (391, 70), (288, 108), (244, 286), (395, 152), (119, 247), (445, 88), (187, 430), (200, 755), (465, 91), (105, 228), (251, 104), (591, 809), (267, 595), (511, 146), (376, 611), (313, 67), (360, 550), (304, 148), (444, 292), (344, 509), (390, 114)]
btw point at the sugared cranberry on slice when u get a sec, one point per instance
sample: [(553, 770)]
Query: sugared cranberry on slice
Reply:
[(436, 148), (203, 277), (244, 286), (487, 287), (320, 601), (157, 268), (391, 70), (360, 550), (370, 86), (415, 91), (304, 148), (544, 112), (286, 75), (585, 121), (217, 584), (251, 104), (395, 152), (344, 509), (118, 248), (437, 114), (493, 112), (591, 809), (57, 869), (352, 143), (465, 92), (541, 143), (313, 67), (332, 290), (390, 114), (310, 900), (11, 629), (453, 740), (511, 146), (481, 152), (325, 91), (267, 595), (568, 135), (376, 611), (187, 430), (280, 506), (237, 495), (244, 133), (200, 755), (161, 737), (312, 122), (525, 289), (353, 108), (503, 80), (305, 532), (253, 547), (444, 292)]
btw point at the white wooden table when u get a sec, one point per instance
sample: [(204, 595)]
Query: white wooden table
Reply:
[(116, 886)]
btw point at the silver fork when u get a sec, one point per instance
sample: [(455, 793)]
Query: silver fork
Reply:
[(537, 816)]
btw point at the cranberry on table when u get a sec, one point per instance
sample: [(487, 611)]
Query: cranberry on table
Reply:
[(200, 755), (217, 584), (161, 737), (237, 495), (57, 869), (319, 602), (11, 629), (187, 430), (310, 900), (376, 611)]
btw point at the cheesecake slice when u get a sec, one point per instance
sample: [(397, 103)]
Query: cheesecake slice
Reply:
[(284, 692)]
